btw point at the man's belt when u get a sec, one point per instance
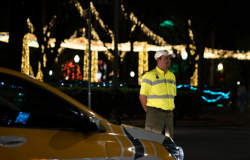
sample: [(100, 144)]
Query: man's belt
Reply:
[(162, 110)]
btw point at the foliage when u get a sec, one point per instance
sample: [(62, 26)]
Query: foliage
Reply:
[(125, 101), (188, 104), (200, 18)]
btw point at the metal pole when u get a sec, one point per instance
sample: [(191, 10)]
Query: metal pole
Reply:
[(115, 63), (184, 78), (211, 77), (89, 78)]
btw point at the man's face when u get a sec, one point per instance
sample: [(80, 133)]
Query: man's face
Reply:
[(164, 62)]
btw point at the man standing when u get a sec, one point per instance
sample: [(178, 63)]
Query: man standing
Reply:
[(158, 89), (242, 91)]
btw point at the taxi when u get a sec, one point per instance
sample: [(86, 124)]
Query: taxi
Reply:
[(39, 122)]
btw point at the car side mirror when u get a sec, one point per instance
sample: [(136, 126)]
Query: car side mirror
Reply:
[(90, 124), (96, 121)]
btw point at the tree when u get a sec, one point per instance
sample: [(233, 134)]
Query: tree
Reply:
[(18, 27), (200, 18), (53, 21)]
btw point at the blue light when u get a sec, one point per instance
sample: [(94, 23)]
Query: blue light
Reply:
[(110, 85), (9, 121), (92, 85), (80, 82), (2, 83), (193, 88), (179, 86), (167, 23), (98, 85), (221, 95), (70, 85), (103, 82), (121, 85), (60, 80), (22, 117)]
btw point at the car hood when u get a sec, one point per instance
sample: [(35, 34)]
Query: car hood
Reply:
[(142, 134)]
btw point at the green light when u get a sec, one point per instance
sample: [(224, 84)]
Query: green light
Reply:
[(167, 23), (219, 105)]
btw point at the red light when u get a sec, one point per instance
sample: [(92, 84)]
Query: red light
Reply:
[(3, 119)]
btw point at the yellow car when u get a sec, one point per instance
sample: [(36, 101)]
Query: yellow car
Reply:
[(38, 122)]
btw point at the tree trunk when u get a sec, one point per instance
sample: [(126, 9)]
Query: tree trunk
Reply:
[(200, 50), (45, 74), (18, 27)]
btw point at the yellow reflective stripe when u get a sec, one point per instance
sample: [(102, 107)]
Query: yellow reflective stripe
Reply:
[(170, 81), (163, 81), (160, 97), (158, 82), (147, 81)]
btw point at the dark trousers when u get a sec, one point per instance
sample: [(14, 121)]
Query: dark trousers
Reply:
[(156, 120)]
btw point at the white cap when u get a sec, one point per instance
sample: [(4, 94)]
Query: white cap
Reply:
[(163, 53)]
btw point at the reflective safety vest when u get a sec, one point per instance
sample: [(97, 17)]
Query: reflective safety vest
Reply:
[(160, 89)]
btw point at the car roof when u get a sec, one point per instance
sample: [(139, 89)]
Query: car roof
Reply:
[(52, 89)]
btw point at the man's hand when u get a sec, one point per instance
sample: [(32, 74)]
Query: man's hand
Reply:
[(143, 100)]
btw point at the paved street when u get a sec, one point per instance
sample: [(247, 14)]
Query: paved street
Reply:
[(219, 134), (214, 143)]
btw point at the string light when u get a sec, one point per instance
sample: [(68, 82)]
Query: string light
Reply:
[(73, 36), (39, 75), (4, 37), (31, 73), (111, 73), (194, 78), (79, 8), (60, 50), (191, 35), (44, 60), (158, 40), (25, 55), (82, 14), (30, 26), (142, 62), (86, 63), (52, 22), (93, 32), (94, 65), (105, 27), (123, 55), (80, 44), (108, 54)]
